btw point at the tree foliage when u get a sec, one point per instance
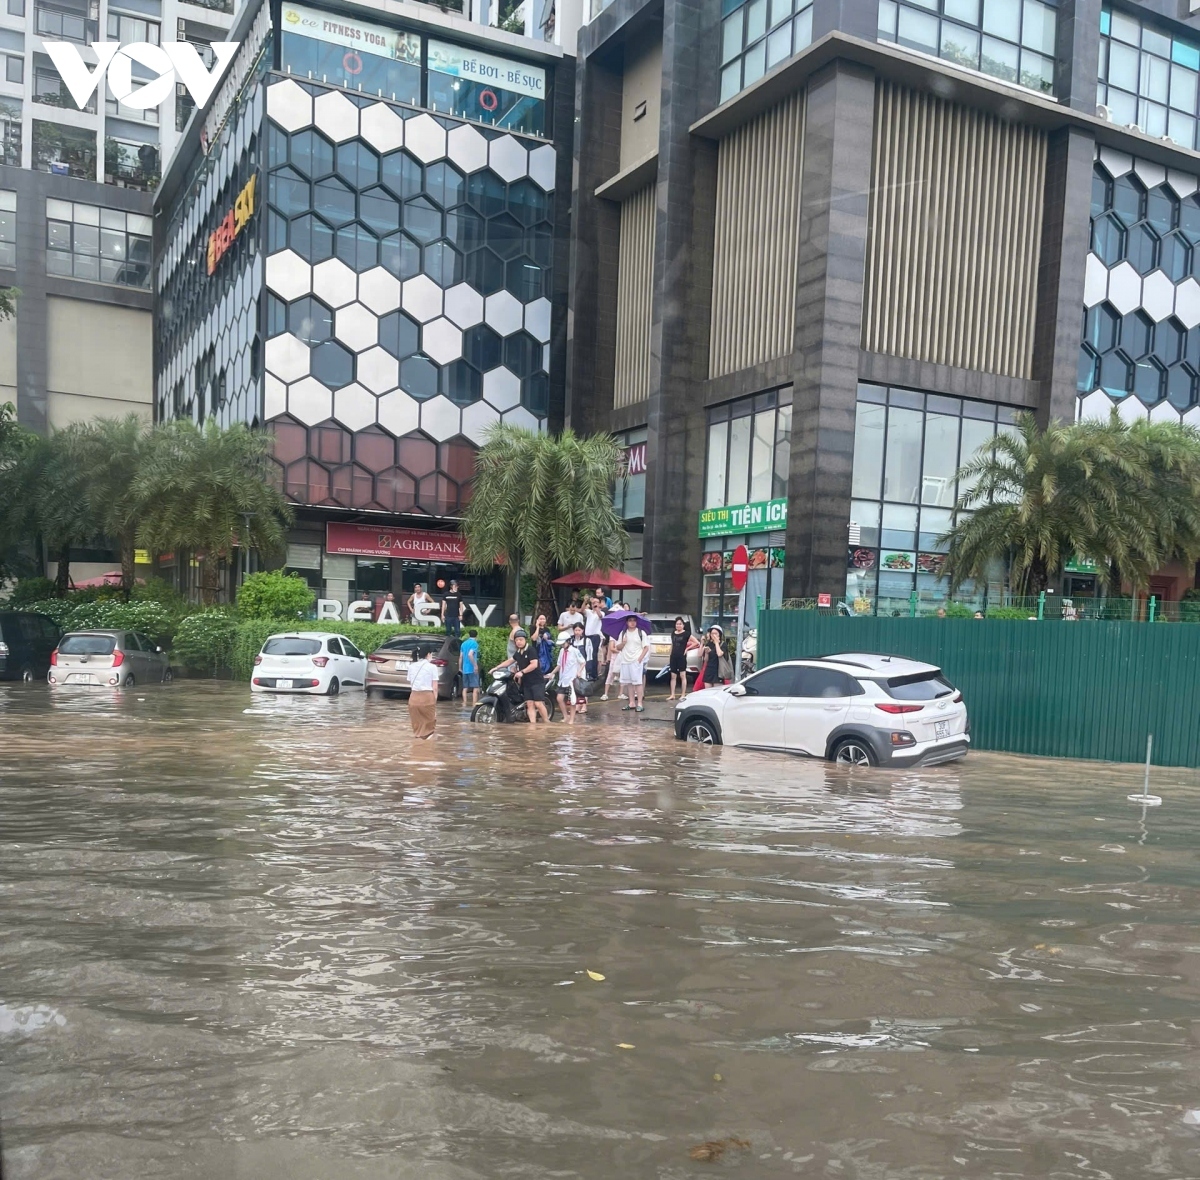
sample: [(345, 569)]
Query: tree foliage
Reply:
[(8, 302), (274, 595), (545, 502), (1125, 495)]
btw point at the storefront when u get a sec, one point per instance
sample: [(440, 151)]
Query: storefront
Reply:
[(629, 499)]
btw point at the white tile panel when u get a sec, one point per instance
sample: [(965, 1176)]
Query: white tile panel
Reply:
[(1117, 163), (1124, 288), (508, 158), (502, 388), (274, 397), (467, 148), (288, 275), (1158, 295), (378, 370), (399, 413), (1148, 173), (309, 401), (356, 327), (477, 420), (287, 357), (381, 127), (379, 290), (1187, 302), (441, 340), (336, 115), (522, 417), (537, 319), (354, 407), (1130, 409), (334, 282), (1164, 412), (503, 312), (464, 305), (440, 418), (541, 167), (425, 138), (1183, 184), (289, 105), (422, 298), (1095, 281)]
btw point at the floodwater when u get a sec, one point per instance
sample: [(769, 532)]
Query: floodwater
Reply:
[(272, 938)]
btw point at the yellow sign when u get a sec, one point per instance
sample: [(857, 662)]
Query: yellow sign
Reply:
[(141, 556), (234, 222)]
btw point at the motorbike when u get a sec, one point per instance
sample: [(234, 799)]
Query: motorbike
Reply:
[(503, 701), (749, 652)]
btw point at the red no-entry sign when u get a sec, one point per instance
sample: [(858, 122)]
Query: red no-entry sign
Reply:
[(741, 564)]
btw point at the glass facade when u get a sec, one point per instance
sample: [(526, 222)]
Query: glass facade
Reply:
[(10, 132), (102, 245), (756, 35), (8, 227), (1133, 341), (1148, 78), (907, 448), (629, 494), (1013, 40), (67, 151)]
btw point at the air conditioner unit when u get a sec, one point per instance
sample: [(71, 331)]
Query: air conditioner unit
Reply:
[(1132, 127), (1168, 139), (1103, 112)]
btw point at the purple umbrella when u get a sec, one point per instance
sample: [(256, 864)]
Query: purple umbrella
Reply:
[(613, 623)]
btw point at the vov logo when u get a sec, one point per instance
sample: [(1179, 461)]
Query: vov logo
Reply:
[(167, 60)]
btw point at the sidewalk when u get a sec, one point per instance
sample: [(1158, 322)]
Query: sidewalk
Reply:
[(657, 708)]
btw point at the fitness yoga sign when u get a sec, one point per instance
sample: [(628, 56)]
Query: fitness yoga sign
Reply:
[(169, 61)]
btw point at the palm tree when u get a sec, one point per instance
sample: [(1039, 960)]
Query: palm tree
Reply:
[(1125, 496), (545, 502), (198, 487), (114, 449), (55, 483)]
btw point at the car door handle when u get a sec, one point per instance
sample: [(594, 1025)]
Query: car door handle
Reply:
[(775, 708), (831, 708)]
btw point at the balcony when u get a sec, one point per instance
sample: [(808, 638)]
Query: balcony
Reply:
[(131, 165), (50, 90), (69, 22)]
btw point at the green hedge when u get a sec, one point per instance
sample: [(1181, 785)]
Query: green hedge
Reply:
[(150, 618)]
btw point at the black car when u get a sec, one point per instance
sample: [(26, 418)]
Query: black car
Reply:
[(26, 643)]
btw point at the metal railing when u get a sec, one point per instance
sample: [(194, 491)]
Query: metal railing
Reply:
[(1044, 607)]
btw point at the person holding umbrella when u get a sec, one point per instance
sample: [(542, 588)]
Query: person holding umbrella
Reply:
[(634, 652)]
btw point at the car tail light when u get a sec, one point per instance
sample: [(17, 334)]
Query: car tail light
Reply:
[(3, 649), (957, 697), (320, 661), (377, 659), (439, 663), (903, 739), (257, 660), (900, 708), (53, 654), (118, 658)]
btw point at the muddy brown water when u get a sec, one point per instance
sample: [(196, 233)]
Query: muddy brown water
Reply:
[(270, 937)]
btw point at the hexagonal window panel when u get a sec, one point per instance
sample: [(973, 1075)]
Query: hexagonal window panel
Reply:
[(381, 127), (442, 341), (334, 282), (528, 203), (289, 192), (377, 370), (277, 231), (505, 236), (334, 200), (486, 193), (467, 148), (289, 104), (1189, 218), (1137, 334), (522, 354), (357, 164), (311, 238), (356, 327), (422, 219), (379, 210), (357, 247), (1181, 387), (445, 185), (1108, 239), (336, 115), (464, 305), (374, 450), (1162, 209), (535, 394), (332, 365), (443, 264), (1192, 348), (482, 347), (1124, 288), (419, 377), (403, 175), (1142, 248), (400, 255), (539, 244), (1129, 199), (312, 154), (1175, 257), (399, 335), (1169, 341), (484, 271), (1116, 374), (379, 290), (1149, 382), (462, 384), (354, 407), (1085, 381), (524, 279), (465, 228), (425, 138), (1101, 190), (276, 316), (308, 319), (421, 297)]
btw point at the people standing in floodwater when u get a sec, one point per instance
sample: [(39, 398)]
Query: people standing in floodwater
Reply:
[(572, 664), (634, 652), (715, 667), (423, 677), (527, 673), (681, 641)]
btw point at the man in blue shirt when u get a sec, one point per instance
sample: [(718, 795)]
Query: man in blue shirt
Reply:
[(468, 665)]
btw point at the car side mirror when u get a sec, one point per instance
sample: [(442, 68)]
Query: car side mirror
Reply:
[(737, 690), (158, 650)]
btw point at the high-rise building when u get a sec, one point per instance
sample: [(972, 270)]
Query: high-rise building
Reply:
[(824, 251)]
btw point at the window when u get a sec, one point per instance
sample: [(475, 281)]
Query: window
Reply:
[(1013, 40), (283, 646), (334, 646), (908, 448), (629, 493), (129, 164), (87, 645), (774, 682), (8, 228), (16, 7), (69, 20), (826, 683), (101, 245), (749, 450), (66, 151), (50, 90), (119, 110), (756, 35), (10, 132), (394, 74), (14, 68), (125, 28), (1148, 78), (513, 96), (925, 686)]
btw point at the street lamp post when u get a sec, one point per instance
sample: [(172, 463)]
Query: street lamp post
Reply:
[(245, 561)]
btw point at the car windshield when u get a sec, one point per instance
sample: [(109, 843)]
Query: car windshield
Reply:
[(87, 645), (926, 686), (401, 645), (284, 645)]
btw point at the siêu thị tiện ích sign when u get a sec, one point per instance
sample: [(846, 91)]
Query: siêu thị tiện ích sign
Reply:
[(756, 517), (232, 224)]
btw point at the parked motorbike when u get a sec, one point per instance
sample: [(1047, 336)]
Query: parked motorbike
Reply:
[(749, 652), (503, 701)]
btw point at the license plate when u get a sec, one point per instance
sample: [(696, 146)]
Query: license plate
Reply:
[(941, 729), (283, 684), (401, 660)]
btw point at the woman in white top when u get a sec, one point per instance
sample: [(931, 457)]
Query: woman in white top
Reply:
[(593, 616), (635, 651), (423, 676), (571, 665)]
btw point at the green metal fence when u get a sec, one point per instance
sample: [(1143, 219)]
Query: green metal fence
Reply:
[(1046, 607), (1085, 691)]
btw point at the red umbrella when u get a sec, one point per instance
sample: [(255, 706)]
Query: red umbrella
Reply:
[(611, 579)]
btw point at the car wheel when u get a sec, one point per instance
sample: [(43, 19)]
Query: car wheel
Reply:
[(129, 681), (456, 689), (484, 713), (701, 731), (853, 752), (334, 688), (168, 676), (27, 676)]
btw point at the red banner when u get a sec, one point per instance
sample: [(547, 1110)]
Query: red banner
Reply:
[(368, 540), (635, 459)]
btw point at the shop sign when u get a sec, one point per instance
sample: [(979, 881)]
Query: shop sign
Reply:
[(1080, 565), (231, 225), (743, 518), (141, 557), (897, 562), (635, 459), (473, 66), (353, 34), (367, 540)]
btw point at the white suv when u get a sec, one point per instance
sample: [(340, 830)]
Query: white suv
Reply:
[(864, 710)]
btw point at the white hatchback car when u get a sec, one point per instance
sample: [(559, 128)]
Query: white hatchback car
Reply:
[(308, 661), (863, 710)]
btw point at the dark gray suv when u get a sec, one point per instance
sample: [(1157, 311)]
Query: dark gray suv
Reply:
[(26, 643)]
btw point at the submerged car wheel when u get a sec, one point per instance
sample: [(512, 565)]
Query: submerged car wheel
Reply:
[(697, 729), (168, 676), (484, 713), (129, 681), (853, 752), (334, 688), (26, 675)]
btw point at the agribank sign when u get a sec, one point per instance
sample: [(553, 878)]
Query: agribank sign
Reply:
[(168, 61)]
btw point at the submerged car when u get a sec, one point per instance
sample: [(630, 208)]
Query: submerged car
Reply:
[(313, 662), (117, 659), (388, 664), (27, 640), (859, 709)]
